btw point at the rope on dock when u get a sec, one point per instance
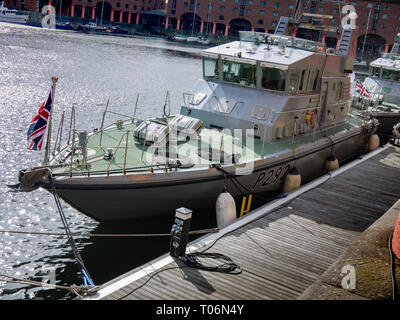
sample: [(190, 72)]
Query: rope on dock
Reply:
[(80, 291), (203, 231)]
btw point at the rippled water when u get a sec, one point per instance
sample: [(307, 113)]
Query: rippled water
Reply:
[(91, 69)]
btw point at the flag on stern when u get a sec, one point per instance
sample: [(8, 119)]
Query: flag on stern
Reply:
[(362, 90), (38, 126)]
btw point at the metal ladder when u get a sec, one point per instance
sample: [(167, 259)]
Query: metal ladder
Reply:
[(282, 26), (344, 44), (395, 48)]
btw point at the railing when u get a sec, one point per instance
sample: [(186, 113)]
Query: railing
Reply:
[(116, 149), (287, 41)]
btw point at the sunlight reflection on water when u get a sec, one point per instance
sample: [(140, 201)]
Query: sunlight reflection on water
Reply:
[(91, 69)]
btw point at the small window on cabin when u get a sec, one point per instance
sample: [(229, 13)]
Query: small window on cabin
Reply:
[(387, 74), (339, 90), (375, 72), (315, 81), (241, 73), (311, 79), (293, 79), (273, 79), (301, 80), (304, 80), (396, 75), (210, 68)]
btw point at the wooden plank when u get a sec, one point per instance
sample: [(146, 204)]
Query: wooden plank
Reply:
[(285, 251)]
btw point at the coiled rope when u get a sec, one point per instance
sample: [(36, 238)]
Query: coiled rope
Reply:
[(80, 291)]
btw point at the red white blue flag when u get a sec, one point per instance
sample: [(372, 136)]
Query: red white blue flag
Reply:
[(38, 126), (362, 90)]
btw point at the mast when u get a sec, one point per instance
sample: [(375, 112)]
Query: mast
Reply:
[(365, 37), (47, 150)]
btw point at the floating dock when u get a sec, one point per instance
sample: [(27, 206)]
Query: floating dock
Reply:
[(283, 247)]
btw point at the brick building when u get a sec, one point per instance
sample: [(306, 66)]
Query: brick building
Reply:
[(227, 17)]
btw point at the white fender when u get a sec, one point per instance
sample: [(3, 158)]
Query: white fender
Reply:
[(373, 142), (331, 163), (292, 180), (225, 209)]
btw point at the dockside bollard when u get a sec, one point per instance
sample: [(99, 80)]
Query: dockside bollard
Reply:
[(180, 232)]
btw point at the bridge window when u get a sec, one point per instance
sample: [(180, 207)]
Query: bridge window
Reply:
[(241, 73), (210, 68), (304, 80), (387, 74), (273, 79), (339, 90), (313, 80), (390, 74), (293, 79), (375, 72)]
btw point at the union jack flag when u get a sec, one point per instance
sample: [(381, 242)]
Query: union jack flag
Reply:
[(38, 126), (362, 90)]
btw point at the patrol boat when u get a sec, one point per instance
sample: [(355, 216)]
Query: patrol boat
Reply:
[(267, 107), (383, 87)]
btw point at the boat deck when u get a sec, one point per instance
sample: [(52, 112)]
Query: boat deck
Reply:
[(282, 247), (139, 158)]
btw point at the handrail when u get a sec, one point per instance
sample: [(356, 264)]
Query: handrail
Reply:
[(116, 149), (70, 122), (296, 110), (144, 141), (126, 150), (72, 152), (59, 135), (185, 94), (102, 123)]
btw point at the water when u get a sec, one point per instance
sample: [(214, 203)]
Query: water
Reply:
[(91, 69)]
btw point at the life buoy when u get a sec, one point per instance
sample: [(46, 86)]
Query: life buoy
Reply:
[(312, 119), (396, 130)]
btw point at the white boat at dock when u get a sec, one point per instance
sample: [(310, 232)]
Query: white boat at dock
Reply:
[(11, 15), (382, 97), (199, 39), (91, 26)]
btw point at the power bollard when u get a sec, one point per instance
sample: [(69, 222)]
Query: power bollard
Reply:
[(180, 232)]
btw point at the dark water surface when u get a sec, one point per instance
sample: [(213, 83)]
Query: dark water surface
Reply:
[(91, 69)]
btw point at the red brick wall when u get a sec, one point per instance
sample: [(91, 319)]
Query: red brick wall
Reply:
[(387, 26)]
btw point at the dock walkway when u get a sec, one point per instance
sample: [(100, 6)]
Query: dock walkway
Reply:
[(282, 247)]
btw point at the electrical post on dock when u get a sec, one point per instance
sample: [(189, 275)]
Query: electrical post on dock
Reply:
[(180, 232)]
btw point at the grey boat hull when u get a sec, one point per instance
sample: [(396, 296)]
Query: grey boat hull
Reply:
[(120, 197), (387, 120)]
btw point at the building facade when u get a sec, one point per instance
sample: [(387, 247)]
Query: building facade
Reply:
[(378, 21)]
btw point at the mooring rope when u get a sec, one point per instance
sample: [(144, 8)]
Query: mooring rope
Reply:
[(106, 235), (78, 290), (78, 258)]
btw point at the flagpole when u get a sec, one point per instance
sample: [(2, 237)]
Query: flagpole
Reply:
[(53, 88)]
